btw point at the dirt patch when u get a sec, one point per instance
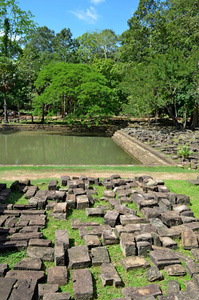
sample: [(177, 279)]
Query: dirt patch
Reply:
[(20, 174)]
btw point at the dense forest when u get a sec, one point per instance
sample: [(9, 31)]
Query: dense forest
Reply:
[(150, 70)]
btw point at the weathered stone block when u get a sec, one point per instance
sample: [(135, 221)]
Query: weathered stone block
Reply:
[(154, 274), (99, 256), (57, 275), (61, 238), (34, 264), (111, 218), (60, 256), (52, 186), (148, 290), (82, 284), (175, 270), (44, 253), (189, 239), (92, 241), (109, 275), (162, 258), (78, 257), (127, 244), (134, 262), (82, 202)]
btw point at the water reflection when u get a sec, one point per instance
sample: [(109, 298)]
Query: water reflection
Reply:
[(45, 149)]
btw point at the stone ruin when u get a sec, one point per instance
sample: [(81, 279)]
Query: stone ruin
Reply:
[(166, 216)]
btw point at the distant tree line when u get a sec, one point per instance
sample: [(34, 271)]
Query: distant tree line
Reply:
[(150, 70)]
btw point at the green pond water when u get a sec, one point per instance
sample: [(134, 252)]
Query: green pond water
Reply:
[(38, 148)]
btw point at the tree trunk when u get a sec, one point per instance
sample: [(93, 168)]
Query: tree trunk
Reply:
[(5, 108), (175, 120), (43, 112), (195, 119)]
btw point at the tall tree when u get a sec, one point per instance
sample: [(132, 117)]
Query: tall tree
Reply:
[(8, 77), (102, 44), (16, 26)]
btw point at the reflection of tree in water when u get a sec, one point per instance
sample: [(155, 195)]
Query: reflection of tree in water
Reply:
[(35, 148)]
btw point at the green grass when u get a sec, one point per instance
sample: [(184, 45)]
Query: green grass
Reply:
[(81, 168), (136, 278)]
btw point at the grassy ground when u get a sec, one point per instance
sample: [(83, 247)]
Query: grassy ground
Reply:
[(132, 278)]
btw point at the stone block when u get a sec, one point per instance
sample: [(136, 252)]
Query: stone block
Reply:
[(173, 287), (47, 288), (82, 285), (25, 289), (195, 253), (127, 244), (109, 238), (109, 275), (171, 218), (82, 202), (189, 239), (40, 243), (94, 230), (148, 290), (52, 185), (64, 180), (6, 287), (44, 253), (59, 254), (132, 219), (167, 242), (111, 218), (57, 275), (192, 268), (38, 276), (92, 241), (62, 238), (94, 212), (3, 269), (99, 256), (26, 236), (76, 224), (164, 257), (134, 262), (78, 257), (175, 270), (34, 264), (153, 274), (109, 194), (143, 248), (57, 296)]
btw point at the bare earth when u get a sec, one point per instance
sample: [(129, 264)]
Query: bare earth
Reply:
[(23, 174)]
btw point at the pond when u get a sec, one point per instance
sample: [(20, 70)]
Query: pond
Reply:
[(41, 148)]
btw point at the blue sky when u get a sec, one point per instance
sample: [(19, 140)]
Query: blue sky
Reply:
[(81, 15)]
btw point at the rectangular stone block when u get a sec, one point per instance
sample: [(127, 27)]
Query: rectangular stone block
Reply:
[(127, 244), (82, 284), (78, 257), (109, 275), (62, 238), (82, 202)]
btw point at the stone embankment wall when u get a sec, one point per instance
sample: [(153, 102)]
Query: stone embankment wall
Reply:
[(69, 130), (168, 141), (143, 153)]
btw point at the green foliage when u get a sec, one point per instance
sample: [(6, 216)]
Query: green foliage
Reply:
[(80, 89), (184, 152)]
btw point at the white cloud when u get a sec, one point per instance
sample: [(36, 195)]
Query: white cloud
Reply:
[(97, 1), (89, 15)]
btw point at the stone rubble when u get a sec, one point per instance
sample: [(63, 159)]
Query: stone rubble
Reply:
[(165, 216)]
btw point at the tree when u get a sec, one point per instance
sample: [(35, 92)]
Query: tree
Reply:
[(65, 47), (102, 44), (8, 77), (16, 26), (81, 87)]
